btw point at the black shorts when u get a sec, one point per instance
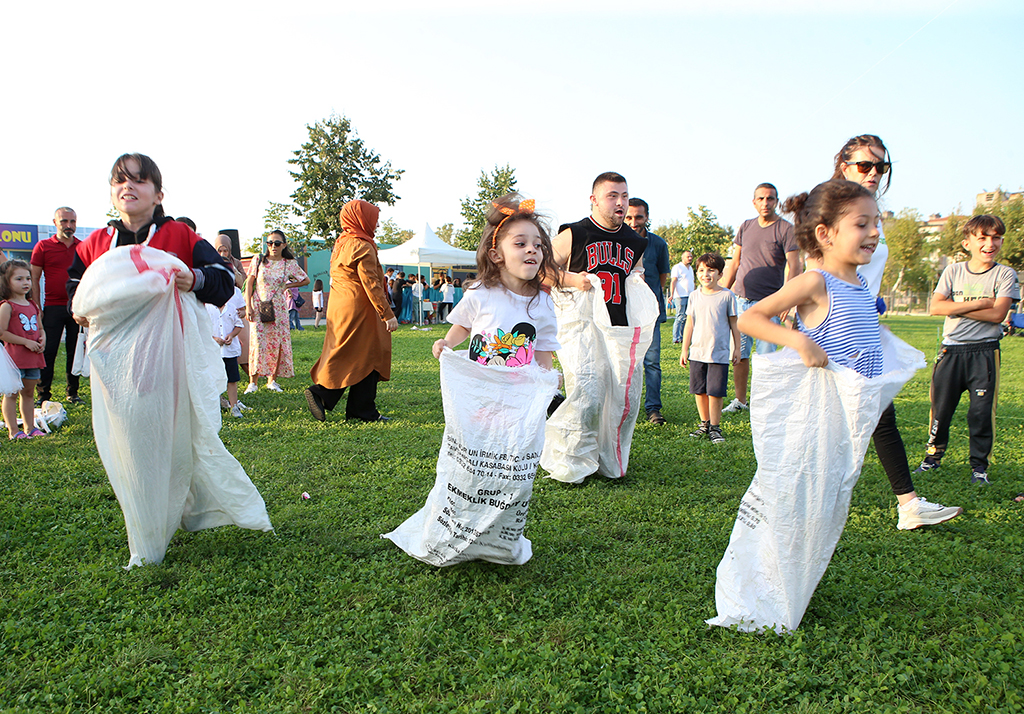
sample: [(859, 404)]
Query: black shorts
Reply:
[(231, 367), (709, 378)]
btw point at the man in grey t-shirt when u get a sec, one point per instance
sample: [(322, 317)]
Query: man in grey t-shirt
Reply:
[(764, 248)]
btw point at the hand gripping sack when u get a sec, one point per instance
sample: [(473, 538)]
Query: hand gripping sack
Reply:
[(493, 434), (603, 366), (156, 411), (811, 429)]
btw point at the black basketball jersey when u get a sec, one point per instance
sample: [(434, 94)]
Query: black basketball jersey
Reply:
[(610, 255)]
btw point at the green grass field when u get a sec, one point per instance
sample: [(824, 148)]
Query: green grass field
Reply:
[(324, 616)]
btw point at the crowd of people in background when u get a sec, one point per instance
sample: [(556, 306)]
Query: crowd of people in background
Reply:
[(721, 305)]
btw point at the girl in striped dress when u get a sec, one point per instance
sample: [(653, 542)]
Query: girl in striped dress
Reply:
[(836, 225)]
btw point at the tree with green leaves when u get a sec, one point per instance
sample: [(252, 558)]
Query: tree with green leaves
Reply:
[(701, 234), (1011, 212), (333, 168), (281, 217), (389, 233), (474, 210), (907, 268), (446, 233)]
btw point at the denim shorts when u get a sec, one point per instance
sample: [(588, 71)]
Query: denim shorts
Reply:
[(746, 341), (34, 373)]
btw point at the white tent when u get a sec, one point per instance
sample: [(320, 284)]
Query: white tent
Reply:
[(426, 250)]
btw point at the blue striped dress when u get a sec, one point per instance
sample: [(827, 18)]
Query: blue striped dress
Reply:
[(850, 334)]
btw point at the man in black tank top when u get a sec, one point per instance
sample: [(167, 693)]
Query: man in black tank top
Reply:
[(602, 244)]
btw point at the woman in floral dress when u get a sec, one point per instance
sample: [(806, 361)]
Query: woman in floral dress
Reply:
[(270, 344)]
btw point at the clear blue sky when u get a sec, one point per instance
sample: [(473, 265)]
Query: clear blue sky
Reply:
[(694, 104)]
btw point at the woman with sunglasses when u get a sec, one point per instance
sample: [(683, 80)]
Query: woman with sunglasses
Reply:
[(865, 160), (270, 344)]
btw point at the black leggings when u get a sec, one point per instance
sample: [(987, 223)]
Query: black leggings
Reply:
[(891, 452)]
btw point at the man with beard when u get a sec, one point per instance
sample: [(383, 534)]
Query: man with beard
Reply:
[(50, 260)]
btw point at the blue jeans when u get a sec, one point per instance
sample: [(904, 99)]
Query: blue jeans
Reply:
[(680, 324), (652, 372), (293, 320), (746, 341)]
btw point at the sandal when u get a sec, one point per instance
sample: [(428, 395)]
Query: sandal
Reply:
[(19, 435), (36, 432), (1019, 497)]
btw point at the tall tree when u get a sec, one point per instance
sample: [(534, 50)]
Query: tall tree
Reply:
[(334, 167), (1012, 214), (446, 233), (906, 268), (701, 234), (389, 233), (474, 210)]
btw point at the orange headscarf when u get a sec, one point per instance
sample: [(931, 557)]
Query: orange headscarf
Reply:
[(359, 218)]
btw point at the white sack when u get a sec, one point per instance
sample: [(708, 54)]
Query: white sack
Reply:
[(493, 434), (811, 429), (592, 430), (156, 412), (10, 375), (81, 364)]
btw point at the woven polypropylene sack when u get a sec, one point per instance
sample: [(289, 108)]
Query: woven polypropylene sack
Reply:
[(493, 434), (156, 378), (10, 375), (592, 430), (811, 429)]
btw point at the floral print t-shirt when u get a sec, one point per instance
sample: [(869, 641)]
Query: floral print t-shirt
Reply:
[(505, 328)]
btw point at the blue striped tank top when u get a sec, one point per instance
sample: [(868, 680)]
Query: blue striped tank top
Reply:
[(850, 334)]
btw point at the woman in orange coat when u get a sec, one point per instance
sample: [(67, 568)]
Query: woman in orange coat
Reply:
[(357, 346)]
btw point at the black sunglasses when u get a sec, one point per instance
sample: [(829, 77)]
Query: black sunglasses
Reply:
[(281, 242), (865, 166)]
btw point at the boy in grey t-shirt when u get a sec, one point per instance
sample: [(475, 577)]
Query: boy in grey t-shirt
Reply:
[(711, 322), (975, 297)]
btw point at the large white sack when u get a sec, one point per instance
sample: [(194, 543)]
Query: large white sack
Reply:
[(10, 375), (811, 429), (603, 365), (493, 434), (155, 403)]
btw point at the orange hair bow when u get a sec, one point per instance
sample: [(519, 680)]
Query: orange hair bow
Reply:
[(525, 206)]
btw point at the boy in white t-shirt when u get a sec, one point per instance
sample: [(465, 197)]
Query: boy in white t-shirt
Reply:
[(711, 310), (226, 327)]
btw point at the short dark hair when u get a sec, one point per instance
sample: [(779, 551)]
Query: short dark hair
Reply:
[(985, 224), (641, 202), (768, 186), (607, 177), (712, 260), (187, 221)]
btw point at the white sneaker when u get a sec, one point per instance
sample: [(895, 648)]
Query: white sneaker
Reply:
[(251, 388), (920, 512), (236, 411), (735, 406), (274, 387), (242, 406)]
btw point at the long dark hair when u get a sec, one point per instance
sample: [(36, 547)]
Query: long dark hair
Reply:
[(5, 272), (286, 253)]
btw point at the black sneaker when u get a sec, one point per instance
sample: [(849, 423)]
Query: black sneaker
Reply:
[(715, 434), (75, 399), (701, 431), (316, 406), (980, 478), (927, 465)]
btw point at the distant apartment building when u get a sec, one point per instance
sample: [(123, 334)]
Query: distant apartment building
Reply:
[(987, 198)]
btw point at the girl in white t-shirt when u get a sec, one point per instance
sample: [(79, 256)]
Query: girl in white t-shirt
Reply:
[(505, 311)]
